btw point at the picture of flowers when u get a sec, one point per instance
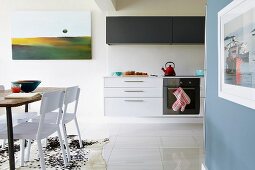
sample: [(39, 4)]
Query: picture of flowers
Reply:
[(58, 35)]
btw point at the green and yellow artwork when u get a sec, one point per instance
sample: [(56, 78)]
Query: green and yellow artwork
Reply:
[(51, 48), (57, 35)]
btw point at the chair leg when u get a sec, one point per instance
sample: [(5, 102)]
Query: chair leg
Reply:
[(3, 143), (22, 149), (45, 143), (41, 155), (62, 147), (66, 142), (28, 150), (78, 131)]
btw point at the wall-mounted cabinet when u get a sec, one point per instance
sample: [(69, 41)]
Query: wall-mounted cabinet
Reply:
[(188, 29), (154, 30), (138, 30)]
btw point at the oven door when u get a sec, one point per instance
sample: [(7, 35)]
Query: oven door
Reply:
[(190, 109)]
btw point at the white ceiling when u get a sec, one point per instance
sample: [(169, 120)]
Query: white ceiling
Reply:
[(113, 5), (107, 5)]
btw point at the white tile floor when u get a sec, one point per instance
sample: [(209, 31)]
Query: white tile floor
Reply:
[(154, 147)]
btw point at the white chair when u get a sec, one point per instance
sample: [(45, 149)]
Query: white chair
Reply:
[(71, 97), (1, 87), (2, 126), (42, 129), (16, 118)]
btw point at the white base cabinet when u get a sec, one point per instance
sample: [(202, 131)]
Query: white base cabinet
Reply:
[(133, 92), (139, 97), (202, 107), (202, 97), (133, 96), (135, 107)]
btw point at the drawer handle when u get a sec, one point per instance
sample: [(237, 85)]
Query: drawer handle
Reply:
[(134, 100), (134, 91), (133, 81)]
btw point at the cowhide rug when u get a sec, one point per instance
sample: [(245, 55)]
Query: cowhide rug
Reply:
[(89, 157)]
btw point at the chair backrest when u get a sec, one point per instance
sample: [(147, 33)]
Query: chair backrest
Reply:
[(72, 94), (1, 87), (51, 101)]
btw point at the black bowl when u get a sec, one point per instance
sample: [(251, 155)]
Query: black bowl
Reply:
[(28, 85)]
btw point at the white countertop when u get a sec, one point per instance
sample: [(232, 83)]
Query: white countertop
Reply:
[(179, 76)]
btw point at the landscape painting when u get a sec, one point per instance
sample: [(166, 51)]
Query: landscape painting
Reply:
[(58, 35)]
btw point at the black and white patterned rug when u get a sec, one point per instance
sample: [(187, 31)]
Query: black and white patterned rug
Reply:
[(88, 157)]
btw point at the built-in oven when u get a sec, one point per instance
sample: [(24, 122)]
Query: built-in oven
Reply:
[(191, 87)]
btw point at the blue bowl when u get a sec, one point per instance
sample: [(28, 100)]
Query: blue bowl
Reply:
[(117, 73), (28, 85), (199, 73)]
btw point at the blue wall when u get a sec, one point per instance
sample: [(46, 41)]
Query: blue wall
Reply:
[(230, 128)]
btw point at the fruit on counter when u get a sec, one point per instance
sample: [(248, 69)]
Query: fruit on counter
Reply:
[(140, 73), (129, 73), (15, 89), (135, 73)]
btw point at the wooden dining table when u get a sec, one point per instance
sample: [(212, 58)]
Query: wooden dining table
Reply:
[(8, 104)]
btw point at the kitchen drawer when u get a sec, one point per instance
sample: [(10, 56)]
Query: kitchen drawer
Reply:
[(136, 107), (133, 82), (133, 92)]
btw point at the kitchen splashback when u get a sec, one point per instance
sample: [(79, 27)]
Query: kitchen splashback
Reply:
[(150, 58)]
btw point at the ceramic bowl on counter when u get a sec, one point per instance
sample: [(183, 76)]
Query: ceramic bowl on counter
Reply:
[(117, 73), (199, 73)]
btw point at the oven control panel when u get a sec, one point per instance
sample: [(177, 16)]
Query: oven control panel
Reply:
[(181, 82)]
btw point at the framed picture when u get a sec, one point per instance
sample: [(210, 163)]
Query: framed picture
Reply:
[(51, 35), (236, 52)]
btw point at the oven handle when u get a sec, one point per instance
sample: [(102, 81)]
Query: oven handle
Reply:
[(187, 88)]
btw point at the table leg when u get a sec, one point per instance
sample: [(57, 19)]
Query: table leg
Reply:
[(26, 110), (26, 107), (10, 138)]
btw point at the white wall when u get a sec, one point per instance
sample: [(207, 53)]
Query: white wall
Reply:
[(150, 58), (89, 73), (86, 73), (161, 7)]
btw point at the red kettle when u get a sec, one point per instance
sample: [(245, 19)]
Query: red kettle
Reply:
[(169, 70)]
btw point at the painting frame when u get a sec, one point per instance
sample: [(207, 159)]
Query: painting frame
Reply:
[(51, 35), (238, 84)]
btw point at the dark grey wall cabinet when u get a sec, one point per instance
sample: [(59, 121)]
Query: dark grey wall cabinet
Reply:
[(188, 29), (138, 30), (154, 30)]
